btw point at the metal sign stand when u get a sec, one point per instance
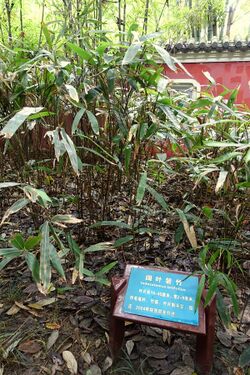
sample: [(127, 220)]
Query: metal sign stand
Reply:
[(205, 331)]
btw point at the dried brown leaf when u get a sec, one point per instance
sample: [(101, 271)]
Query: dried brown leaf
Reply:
[(30, 347)]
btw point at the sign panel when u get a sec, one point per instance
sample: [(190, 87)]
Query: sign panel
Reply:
[(162, 295)]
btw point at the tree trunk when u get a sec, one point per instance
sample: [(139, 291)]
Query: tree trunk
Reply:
[(145, 22), (222, 29), (9, 6), (230, 19), (21, 20)]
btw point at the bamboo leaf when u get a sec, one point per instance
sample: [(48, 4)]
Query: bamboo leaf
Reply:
[(106, 268), (6, 260), (85, 55), (118, 224), (244, 359), (45, 269), (16, 121), (211, 290), (93, 122), (222, 309), (10, 252), (66, 219), (33, 265), (199, 292), (72, 93), (247, 156), (56, 261), (209, 77), (18, 241), (221, 180), (4, 185), (121, 241), (141, 188), (101, 246), (71, 151), (77, 119), (131, 52), (158, 197), (165, 57), (17, 206)]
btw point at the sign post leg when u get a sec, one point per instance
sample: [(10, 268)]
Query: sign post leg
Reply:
[(204, 343), (117, 326)]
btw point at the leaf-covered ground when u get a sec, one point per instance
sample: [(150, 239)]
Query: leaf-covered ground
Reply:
[(67, 332)]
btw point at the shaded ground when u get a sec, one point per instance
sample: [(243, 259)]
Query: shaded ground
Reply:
[(75, 318)]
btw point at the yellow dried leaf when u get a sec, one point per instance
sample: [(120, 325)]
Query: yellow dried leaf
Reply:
[(23, 307), (13, 310), (52, 325), (44, 302)]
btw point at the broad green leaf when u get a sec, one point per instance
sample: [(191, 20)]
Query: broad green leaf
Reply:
[(77, 119), (199, 292), (15, 122), (158, 197), (56, 261), (101, 246), (118, 224), (221, 180), (33, 265), (141, 188), (45, 269), (10, 252), (244, 359), (4, 185), (18, 241), (131, 52), (66, 219), (93, 122), (71, 150), (17, 206), (72, 93), (165, 57), (121, 241)]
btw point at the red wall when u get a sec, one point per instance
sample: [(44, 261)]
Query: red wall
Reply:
[(228, 74)]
